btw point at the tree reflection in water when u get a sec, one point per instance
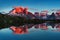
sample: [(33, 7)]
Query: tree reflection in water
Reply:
[(44, 26)]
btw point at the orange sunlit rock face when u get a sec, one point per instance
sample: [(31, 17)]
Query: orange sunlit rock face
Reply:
[(13, 12), (58, 12), (43, 26), (20, 10), (19, 30), (37, 26), (58, 27), (43, 13), (25, 11)]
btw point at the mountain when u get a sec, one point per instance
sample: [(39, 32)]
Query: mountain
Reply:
[(52, 17)]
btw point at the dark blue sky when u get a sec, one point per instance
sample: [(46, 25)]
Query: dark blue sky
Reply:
[(7, 5)]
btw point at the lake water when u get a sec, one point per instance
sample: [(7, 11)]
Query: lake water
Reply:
[(43, 31)]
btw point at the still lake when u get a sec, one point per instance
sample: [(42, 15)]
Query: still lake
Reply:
[(43, 31)]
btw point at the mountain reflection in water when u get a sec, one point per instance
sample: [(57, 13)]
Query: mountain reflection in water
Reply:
[(44, 26), (43, 31)]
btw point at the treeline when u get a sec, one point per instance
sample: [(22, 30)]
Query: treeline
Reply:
[(7, 20), (16, 20)]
